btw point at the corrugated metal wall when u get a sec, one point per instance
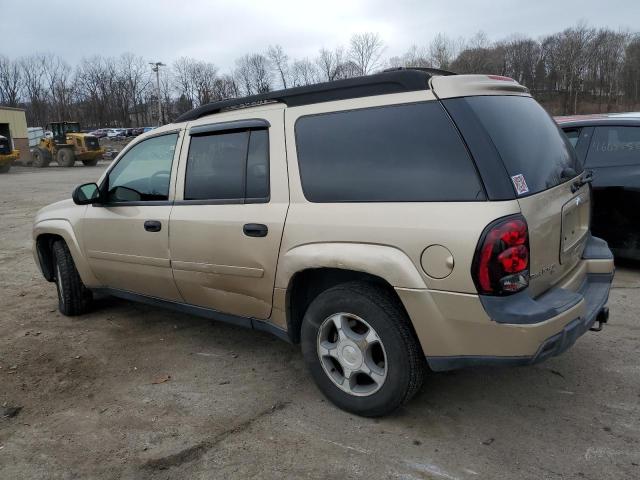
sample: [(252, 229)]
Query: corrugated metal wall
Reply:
[(17, 121)]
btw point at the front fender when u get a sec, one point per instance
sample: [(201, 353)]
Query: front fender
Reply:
[(63, 228), (383, 261)]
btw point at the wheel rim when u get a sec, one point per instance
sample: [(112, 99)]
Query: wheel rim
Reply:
[(352, 354)]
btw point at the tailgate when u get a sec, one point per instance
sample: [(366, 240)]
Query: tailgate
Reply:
[(541, 167), (558, 223)]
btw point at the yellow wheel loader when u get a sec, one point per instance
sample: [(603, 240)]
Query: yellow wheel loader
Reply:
[(7, 154), (66, 145)]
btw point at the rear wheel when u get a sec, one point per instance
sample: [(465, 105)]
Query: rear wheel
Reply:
[(361, 349), (41, 158), (66, 157), (5, 168), (73, 297), (90, 163)]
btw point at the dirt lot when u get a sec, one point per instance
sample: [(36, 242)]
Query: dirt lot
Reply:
[(239, 404)]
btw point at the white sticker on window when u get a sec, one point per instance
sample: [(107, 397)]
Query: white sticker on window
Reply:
[(520, 184)]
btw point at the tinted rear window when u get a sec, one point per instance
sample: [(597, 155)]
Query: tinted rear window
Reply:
[(400, 153), (614, 146), (536, 154)]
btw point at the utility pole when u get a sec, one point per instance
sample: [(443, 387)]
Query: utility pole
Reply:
[(155, 67)]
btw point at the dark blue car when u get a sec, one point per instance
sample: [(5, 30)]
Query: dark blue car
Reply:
[(609, 145)]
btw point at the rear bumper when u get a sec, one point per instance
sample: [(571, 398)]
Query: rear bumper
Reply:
[(514, 330)]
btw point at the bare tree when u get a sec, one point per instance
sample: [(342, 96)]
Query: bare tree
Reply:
[(366, 51), (304, 72), (280, 62), (10, 81), (441, 51), (330, 64), (414, 57), (253, 73)]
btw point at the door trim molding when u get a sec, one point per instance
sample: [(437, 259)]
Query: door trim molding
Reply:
[(218, 269), (137, 259)]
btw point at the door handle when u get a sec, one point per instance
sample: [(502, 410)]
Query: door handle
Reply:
[(152, 225), (255, 230)]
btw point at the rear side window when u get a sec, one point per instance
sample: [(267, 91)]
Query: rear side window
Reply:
[(228, 166), (614, 146), (534, 151), (400, 153)]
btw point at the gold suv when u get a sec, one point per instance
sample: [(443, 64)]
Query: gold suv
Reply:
[(386, 223)]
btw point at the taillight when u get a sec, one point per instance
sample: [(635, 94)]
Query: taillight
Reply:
[(501, 262)]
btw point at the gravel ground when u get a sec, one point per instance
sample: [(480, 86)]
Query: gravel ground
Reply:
[(131, 391)]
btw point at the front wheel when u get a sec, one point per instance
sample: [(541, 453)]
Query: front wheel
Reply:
[(73, 297), (66, 157), (361, 350), (41, 158)]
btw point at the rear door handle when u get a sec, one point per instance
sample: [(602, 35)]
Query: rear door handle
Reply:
[(152, 225), (255, 230)]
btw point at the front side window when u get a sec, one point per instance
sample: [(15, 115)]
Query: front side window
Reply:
[(614, 147), (143, 173), (231, 166), (398, 153)]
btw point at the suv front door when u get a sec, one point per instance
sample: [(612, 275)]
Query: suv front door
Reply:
[(126, 238), (231, 203)]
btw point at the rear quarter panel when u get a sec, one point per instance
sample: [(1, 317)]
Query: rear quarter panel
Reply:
[(405, 227)]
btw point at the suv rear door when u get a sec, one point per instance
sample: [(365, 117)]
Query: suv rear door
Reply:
[(231, 203), (543, 168)]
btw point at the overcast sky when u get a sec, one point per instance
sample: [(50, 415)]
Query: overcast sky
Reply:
[(221, 30)]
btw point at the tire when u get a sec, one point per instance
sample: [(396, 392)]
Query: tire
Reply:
[(41, 158), (73, 297), (66, 157), (90, 163), (396, 349), (5, 168)]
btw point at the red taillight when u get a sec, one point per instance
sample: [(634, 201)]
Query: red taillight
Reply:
[(501, 263)]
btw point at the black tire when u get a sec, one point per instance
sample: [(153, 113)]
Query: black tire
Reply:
[(405, 361), (66, 157), (73, 297), (41, 158), (90, 163), (5, 168)]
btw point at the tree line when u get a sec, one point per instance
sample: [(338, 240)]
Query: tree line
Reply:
[(579, 70)]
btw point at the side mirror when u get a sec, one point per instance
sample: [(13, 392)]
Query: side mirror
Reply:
[(86, 194)]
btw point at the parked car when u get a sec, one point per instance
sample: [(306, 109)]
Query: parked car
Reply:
[(100, 133), (116, 132), (378, 221), (148, 129), (609, 145)]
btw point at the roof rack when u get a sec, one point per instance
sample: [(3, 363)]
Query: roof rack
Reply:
[(431, 71), (389, 81)]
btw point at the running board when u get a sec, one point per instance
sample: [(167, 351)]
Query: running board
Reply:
[(209, 313)]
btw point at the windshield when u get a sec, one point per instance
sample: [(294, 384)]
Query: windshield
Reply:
[(71, 127), (536, 154)]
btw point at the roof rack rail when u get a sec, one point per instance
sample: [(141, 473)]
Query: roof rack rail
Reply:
[(392, 81), (431, 71)]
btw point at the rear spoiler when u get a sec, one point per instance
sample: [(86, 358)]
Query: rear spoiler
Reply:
[(447, 86)]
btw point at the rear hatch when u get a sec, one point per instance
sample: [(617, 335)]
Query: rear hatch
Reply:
[(542, 168)]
